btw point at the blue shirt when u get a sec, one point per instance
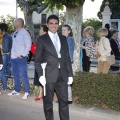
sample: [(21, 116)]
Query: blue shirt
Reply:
[(71, 45), (6, 43), (21, 43)]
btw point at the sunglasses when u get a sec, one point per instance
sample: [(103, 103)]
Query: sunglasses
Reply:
[(15, 34)]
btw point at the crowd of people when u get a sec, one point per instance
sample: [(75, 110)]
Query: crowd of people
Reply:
[(57, 51), (50, 47), (106, 45)]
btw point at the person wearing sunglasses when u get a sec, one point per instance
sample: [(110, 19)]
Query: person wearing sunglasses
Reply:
[(20, 49)]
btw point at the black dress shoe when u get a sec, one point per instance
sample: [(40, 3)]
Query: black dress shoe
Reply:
[(69, 102)]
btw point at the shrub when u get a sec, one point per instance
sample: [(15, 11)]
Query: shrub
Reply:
[(98, 90)]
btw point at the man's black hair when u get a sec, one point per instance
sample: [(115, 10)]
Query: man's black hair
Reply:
[(3, 27), (52, 17), (107, 26), (113, 32)]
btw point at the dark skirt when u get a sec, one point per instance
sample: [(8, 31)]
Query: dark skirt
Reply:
[(86, 62), (36, 79)]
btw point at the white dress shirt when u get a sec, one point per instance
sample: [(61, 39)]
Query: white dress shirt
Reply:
[(52, 38), (59, 44)]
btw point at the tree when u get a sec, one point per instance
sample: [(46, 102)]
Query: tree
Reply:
[(114, 6), (74, 10), (28, 7), (9, 20)]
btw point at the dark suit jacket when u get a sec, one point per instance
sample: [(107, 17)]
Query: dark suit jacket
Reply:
[(114, 47), (45, 52)]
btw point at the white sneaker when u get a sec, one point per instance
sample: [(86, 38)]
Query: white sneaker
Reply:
[(25, 96), (14, 93)]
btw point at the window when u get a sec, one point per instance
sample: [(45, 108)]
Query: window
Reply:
[(43, 18)]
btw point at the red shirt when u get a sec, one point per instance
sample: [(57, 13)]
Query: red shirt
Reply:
[(33, 47)]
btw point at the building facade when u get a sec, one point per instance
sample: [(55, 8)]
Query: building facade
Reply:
[(42, 17)]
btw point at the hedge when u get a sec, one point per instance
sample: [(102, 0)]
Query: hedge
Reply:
[(97, 90)]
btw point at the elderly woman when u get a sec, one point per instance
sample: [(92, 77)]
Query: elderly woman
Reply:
[(103, 50), (87, 49)]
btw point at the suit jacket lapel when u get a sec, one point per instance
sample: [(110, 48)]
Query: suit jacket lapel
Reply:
[(51, 46)]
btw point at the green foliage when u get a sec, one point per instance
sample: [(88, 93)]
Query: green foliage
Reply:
[(60, 29), (99, 90), (9, 20), (36, 29), (114, 6), (59, 4), (95, 23), (51, 4)]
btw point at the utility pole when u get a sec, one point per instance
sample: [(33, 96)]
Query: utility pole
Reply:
[(16, 10)]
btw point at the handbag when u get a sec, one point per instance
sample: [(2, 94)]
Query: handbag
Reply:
[(110, 59)]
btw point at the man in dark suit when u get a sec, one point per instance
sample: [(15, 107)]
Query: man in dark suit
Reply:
[(115, 47), (53, 49)]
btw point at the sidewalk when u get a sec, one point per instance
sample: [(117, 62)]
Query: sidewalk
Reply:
[(76, 111), (17, 106), (14, 108)]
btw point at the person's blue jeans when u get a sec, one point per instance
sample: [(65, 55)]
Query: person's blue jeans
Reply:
[(3, 79), (5, 70), (19, 70)]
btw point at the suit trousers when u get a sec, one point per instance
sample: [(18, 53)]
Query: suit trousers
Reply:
[(61, 89)]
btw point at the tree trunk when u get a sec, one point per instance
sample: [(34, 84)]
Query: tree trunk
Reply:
[(29, 21), (74, 19), (28, 10)]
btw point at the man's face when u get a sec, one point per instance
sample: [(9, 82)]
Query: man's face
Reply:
[(116, 35), (53, 25), (16, 23)]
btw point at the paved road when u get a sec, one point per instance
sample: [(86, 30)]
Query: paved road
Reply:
[(14, 108)]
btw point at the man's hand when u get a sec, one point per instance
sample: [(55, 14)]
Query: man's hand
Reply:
[(1, 66), (42, 80), (20, 57), (70, 80)]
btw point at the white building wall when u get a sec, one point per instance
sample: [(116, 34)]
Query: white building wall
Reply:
[(106, 14), (37, 17)]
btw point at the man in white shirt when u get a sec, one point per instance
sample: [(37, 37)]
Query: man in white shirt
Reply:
[(53, 49)]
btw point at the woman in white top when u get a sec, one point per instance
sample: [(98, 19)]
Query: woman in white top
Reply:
[(103, 49)]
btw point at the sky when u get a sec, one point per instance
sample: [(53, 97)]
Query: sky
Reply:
[(90, 8)]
